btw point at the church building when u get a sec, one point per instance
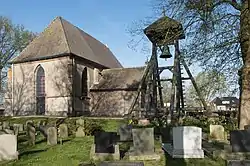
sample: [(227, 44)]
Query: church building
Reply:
[(66, 72)]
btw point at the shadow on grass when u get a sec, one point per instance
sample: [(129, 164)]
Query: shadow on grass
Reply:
[(174, 161), (64, 141), (28, 152)]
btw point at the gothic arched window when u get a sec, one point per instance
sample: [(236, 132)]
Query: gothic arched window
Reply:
[(40, 82), (85, 82), (40, 90)]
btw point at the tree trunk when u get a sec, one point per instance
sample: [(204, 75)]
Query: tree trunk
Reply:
[(244, 109)]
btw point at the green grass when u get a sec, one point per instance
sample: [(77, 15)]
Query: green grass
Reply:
[(76, 150)]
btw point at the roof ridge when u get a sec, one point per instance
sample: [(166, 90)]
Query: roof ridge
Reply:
[(126, 68), (64, 32)]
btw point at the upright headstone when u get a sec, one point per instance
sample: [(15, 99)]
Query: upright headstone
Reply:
[(240, 140), (125, 132), (52, 136), (31, 133), (80, 128), (166, 135), (6, 125), (80, 122), (104, 142), (143, 140), (19, 126), (143, 145), (63, 131), (8, 150), (187, 142), (217, 132), (105, 146)]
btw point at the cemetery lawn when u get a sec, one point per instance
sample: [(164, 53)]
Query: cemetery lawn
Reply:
[(76, 150)]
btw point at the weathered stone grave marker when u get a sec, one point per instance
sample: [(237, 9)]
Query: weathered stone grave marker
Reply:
[(80, 128), (143, 145), (217, 132), (51, 136), (187, 142), (8, 150), (240, 140), (31, 133), (19, 126), (105, 146), (1, 126), (6, 125), (125, 132), (63, 131)]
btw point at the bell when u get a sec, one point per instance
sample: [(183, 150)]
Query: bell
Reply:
[(165, 52)]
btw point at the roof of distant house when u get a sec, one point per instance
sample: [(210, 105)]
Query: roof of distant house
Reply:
[(232, 101), (62, 38), (119, 78)]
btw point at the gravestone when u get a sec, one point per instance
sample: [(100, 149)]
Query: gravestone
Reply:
[(238, 163), (6, 125), (80, 132), (80, 122), (19, 126), (105, 146), (31, 133), (125, 132), (105, 141), (166, 135), (217, 132), (63, 131), (240, 140), (52, 136), (114, 163), (8, 150), (143, 122), (143, 145), (187, 142)]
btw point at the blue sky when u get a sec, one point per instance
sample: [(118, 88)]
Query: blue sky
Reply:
[(106, 20)]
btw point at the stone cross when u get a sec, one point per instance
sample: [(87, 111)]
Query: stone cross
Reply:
[(51, 136)]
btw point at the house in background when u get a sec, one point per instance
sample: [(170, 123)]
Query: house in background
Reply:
[(66, 72), (225, 104)]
